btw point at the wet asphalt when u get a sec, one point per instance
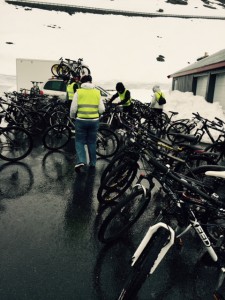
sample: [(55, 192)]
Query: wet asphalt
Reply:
[(49, 218)]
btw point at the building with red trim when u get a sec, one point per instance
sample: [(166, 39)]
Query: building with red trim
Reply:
[(206, 77)]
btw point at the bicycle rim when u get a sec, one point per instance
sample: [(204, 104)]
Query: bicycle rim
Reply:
[(117, 182), (15, 143), (56, 137), (177, 128), (54, 69), (107, 143)]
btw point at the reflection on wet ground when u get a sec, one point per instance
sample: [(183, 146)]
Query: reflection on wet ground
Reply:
[(49, 218)]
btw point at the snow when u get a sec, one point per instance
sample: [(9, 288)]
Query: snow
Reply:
[(117, 48)]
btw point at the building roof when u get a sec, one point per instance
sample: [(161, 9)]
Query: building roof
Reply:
[(214, 61)]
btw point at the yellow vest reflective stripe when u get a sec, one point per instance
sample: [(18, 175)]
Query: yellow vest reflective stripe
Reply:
[(70, 90), (122, 97), (88, 103)]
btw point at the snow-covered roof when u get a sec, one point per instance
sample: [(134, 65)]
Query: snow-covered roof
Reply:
[(214, 61)]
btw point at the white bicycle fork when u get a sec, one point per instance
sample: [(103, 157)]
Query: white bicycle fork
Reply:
[(148, 237)]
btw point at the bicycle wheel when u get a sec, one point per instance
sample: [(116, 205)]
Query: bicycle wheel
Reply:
[(107, 143), (82, 71), (177, 128), (59, 117), (56, 137), (141, 269), (117, 182), (123, 216), (15, 143), (54, 69), (123, 155), (63, 70)]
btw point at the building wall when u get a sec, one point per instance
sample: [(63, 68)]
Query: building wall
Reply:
[(219, 92), (201, 89), (183, 83), (210, 85)]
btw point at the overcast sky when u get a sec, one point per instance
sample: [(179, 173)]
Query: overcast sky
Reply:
[(114, 47)]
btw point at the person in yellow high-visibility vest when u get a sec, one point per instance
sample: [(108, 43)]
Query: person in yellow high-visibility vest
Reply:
[(71, 88), (86, 107), (125, 97), (155, 98)]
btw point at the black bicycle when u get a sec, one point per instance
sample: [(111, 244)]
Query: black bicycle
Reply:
[(185, 206)]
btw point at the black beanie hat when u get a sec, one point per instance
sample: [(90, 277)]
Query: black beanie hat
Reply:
[(120, 87)]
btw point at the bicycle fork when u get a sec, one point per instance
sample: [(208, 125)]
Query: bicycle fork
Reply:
[(152, 230)]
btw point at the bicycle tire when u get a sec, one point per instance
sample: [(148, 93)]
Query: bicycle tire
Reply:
[(117, 182), (59, 117), (174, 128), (140, 270), (63, 70), (56, 137), (123, 216), (15, 143), (123, 155), (82, 71), (54, 69), (107, 143)]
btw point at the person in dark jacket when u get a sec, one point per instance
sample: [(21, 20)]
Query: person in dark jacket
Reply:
[(125, 97)]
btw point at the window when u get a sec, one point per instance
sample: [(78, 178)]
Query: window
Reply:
[(55, 86)]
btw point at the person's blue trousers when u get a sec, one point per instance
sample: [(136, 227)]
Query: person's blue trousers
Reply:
[(86, 134)]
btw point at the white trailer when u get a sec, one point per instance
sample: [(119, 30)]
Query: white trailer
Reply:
[(28, 70)]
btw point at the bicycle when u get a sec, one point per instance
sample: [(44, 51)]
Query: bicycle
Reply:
[(181, 126), (69, 67), (184, 209), (201, 130), (58, 136), (15, 143), (35, 89)]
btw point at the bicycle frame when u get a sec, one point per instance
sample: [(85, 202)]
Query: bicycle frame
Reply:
[(205, 129)]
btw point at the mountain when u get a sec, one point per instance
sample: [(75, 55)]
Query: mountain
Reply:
[(137, 50)]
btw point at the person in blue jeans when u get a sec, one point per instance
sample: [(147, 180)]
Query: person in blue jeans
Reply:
[(86, 108)]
